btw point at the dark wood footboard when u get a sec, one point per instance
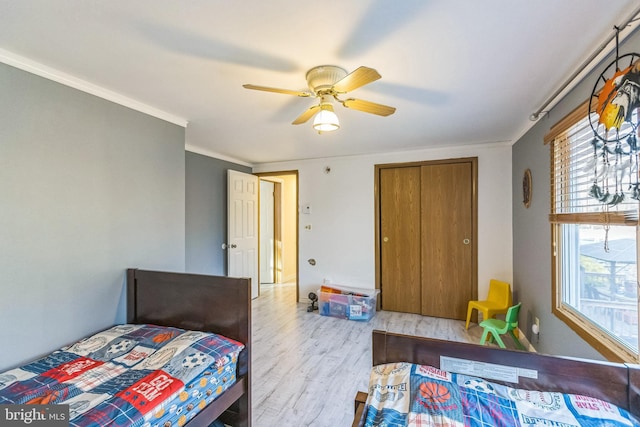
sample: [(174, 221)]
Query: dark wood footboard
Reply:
[(616, 383), (634, 389)]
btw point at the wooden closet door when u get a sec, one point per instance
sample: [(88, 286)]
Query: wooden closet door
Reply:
[(447, 239), (400, 277)]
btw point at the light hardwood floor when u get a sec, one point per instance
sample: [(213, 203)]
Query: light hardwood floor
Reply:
[(307, 368)]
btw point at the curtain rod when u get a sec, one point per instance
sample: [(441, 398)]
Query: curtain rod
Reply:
[(634, 16)]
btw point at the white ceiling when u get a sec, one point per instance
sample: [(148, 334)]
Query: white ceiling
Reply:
[(458, 71)]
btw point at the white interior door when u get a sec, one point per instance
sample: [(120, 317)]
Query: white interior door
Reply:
[(242, 228)]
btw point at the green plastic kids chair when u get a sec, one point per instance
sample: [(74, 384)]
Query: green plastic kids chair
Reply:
[(497, 327)]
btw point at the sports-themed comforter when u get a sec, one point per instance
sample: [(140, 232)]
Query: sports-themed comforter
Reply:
[(403, 394), (129, 375)]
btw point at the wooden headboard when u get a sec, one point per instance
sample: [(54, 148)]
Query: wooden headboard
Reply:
[(191, 301), (612, 382)]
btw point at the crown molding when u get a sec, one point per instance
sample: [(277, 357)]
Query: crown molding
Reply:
[(58, 76), (209, 153)]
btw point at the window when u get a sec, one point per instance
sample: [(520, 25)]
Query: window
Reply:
[(594, 243)]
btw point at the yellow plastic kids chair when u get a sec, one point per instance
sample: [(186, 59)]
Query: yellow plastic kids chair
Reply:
[(497, 327), (498, 301)]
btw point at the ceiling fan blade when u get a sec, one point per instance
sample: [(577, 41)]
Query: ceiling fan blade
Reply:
[(360, 77), (369, 107), (302, 118), (276, 90)]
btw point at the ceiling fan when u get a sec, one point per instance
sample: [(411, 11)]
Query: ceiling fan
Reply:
[(330, 81)]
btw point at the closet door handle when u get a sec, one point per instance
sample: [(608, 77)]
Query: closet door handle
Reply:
[(466, 241)]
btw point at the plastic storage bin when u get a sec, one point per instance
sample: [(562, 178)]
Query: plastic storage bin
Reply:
[(345, 303)]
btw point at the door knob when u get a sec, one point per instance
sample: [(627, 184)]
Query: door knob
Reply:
[(386, 239), (233, 246), (466, 241)]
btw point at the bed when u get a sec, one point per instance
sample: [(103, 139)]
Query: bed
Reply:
[(186, 340), (615, 383)]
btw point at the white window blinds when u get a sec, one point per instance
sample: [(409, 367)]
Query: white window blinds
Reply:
[(588, 186)]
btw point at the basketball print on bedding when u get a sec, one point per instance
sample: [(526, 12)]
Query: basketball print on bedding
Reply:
[(435, 397), (434, 392)]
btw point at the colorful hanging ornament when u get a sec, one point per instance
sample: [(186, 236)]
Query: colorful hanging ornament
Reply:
[(619, 97), (615, 100)]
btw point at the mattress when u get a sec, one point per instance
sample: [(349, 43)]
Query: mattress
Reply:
[(129, 375)]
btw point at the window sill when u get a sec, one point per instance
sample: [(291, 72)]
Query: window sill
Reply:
[(596, 337)]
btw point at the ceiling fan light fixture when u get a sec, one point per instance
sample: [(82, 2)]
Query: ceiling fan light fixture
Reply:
[(327, 82), (326, 120)]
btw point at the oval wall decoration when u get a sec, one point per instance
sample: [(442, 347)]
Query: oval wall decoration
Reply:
[(527, 188)]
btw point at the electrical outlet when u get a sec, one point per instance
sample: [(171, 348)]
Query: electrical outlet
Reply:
[(535, 328)]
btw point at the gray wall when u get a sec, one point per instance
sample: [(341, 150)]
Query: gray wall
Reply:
[(531, 229), (206, 213), (87, 189)]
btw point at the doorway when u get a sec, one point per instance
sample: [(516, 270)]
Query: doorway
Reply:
[(278, 248), (269, 233)]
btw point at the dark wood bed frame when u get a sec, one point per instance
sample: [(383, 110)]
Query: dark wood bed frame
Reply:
[(205, 303), (617, 383)]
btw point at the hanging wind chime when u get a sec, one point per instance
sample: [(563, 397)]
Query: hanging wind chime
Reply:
[(615, 99)]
